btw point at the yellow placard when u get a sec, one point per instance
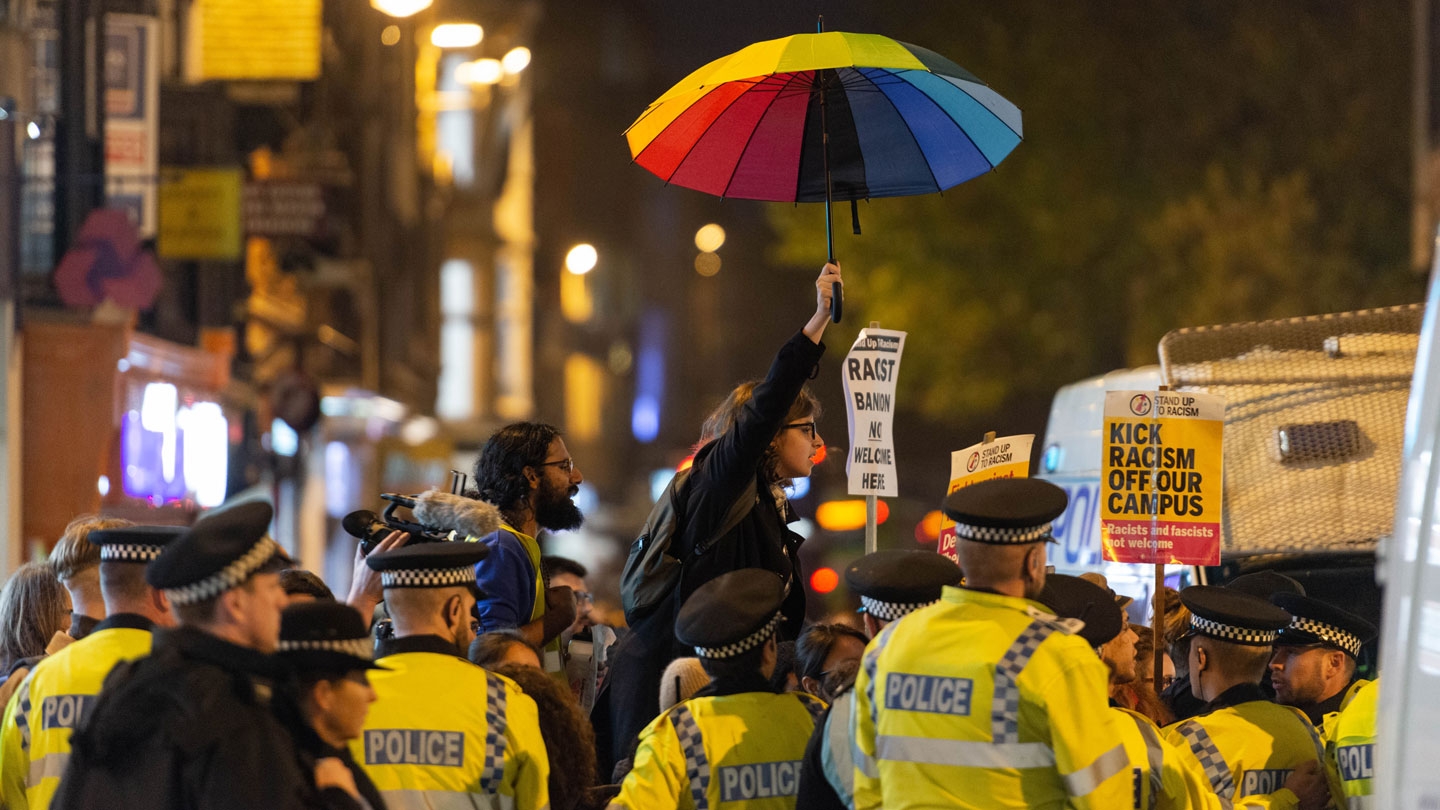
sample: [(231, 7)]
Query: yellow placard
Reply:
[(1005, 457), (1161, 477), (200, 214), (254, 40)]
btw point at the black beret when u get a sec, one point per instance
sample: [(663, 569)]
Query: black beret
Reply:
[(327, 637), (1265, 584), (221, 551), (1006, 511), (133, 544), (893, 582), (1075, 598), (731, 613), (429, 565), (1233, 616), (1314, 622)]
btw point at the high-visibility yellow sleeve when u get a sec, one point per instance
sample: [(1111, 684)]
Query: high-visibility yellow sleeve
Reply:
[(14, 753), (1089, 750), (658, 776), (527, 772), (866, 781)]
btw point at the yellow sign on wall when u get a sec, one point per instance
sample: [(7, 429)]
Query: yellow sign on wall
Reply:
[(254, 40), (200, 214)]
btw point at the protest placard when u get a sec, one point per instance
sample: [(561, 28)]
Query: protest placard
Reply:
[(871, 370), (1005, 457)]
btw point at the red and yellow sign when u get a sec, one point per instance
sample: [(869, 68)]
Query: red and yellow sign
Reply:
[(1006, 457), (1161, 482)]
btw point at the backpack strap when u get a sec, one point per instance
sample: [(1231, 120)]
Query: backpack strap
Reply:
[(737, 513)]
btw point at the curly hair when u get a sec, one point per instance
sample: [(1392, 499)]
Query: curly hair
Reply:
[(569, 738), (727, 413), (500, 468)]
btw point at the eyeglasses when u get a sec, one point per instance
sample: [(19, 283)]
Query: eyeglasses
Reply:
[(584, 597), (808, 427), (566, 465)]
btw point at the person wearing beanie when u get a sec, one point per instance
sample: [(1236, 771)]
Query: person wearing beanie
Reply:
[(681, 680)]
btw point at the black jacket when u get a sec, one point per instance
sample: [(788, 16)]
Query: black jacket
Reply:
[(191, 727), (723, 471)]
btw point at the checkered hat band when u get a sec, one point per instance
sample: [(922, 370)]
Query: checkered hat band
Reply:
[(129, 552), (231, 576), (890, 611), (746, 644), (1226, 632), (990, 534), (358, 647), (427, 577), (1329, 633)]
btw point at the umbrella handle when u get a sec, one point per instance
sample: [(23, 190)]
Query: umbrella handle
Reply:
[(837, 302)]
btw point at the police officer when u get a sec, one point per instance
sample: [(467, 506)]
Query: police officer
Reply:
[(986, 697), (52, 700), (890, 584), (192, 725), (329, 647), (1353, 748), (1245, 745), (736, 743), (1313, 667), (444, 732)]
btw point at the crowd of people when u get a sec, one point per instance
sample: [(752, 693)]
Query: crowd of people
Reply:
[(166, 667)]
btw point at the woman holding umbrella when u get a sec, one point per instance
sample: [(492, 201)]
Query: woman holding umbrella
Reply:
[(761, 436)]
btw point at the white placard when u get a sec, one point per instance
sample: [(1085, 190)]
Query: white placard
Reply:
[(871, 370)]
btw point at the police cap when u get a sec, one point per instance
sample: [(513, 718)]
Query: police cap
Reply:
[(1315, 623), (893, 582), (1265, 584), (325, 636), (1006, 511), (732, 613), (430, 565), (220, 552), (1233, 616), (133, 544), (1076, 598)]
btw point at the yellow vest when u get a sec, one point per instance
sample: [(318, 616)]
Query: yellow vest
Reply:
[(443, 732), (733, 751), (1328, 721), (551, 655), (51, 702), (1162, 778), (985, 701), (1352, 748), (1247, 751)]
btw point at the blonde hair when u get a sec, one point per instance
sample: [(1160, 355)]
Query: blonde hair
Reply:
[(727, 413), (74, 553)]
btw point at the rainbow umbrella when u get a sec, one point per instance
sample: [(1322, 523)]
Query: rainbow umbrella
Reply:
[(826, 116)]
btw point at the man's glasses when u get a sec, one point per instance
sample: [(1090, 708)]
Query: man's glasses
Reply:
[(808, 427), (565, 465)]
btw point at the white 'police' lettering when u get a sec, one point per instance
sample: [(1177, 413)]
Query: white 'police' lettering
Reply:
[(64, 711), (926, 693), (414, 746), (759, 781), (1264, 781), (1356, 762)]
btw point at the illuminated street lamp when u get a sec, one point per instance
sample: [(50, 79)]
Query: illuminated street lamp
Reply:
[(401, 8), (456, 35), (709, 238), (581, 259), (481, 71), (516, 60)]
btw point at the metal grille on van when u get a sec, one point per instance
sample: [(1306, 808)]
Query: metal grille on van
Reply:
[(1314, 423)]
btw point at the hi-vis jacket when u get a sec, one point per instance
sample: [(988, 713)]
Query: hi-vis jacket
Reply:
[(51, 702), (446, 733), (1162, 778), (1352, 748), (1330, 710), (1248, 746), (732, 751), (985, 701)]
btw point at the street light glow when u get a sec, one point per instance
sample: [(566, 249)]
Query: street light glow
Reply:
[(581, 259), (516, 60), (481, 71), (709, 238), (456, 35), (401, 8), (390, 35)]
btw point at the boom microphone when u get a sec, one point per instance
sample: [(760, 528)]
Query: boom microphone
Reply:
[(466, 516)]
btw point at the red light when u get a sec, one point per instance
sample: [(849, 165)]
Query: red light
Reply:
[(824, 580), (685, 463), (928, 529), (819, 456)]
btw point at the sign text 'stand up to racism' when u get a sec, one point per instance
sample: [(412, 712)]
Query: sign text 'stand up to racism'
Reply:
[(1161, 477), (871, 370), (1005, 457)]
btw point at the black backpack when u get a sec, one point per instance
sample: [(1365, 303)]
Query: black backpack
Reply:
[(652, 570)]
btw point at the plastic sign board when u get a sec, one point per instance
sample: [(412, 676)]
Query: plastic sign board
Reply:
[(871, 370), (1161, 485), (200, 213), (132, 116), (1005, 457)]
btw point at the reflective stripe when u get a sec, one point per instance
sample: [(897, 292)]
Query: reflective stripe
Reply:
[(815, 707), (835, 749), (1360, 802), (445, 800), (1005, 710), (1216, 769), (697, 765), (871, 662), (1154, 758), (1081, 782), (492, 771), (50, 765), (22, 712), (964, 753)]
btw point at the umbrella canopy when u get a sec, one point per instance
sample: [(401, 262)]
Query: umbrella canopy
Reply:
[(901, 120)]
